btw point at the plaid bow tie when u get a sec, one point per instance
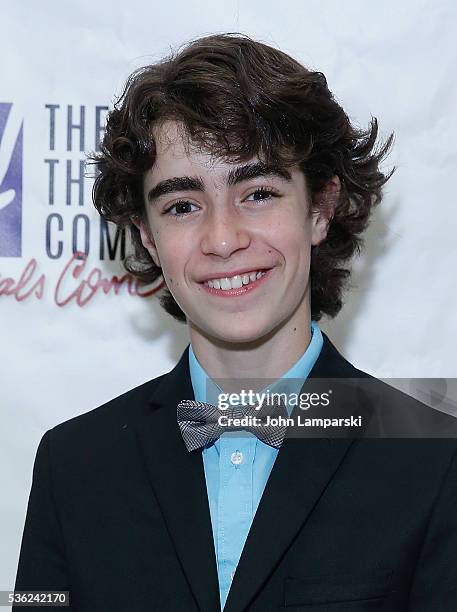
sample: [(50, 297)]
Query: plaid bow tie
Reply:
[(199, 422)]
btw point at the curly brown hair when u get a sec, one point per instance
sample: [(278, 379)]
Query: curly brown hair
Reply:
[(238, 98)]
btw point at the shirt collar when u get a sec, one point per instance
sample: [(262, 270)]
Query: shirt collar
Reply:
[(290, 382)]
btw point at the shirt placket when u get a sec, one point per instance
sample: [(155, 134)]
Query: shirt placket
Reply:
[(235, 504)]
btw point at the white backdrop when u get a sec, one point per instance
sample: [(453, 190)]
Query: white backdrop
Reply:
[(394, 60)]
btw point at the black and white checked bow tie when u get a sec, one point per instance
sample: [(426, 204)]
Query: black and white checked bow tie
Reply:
[(199, 422)]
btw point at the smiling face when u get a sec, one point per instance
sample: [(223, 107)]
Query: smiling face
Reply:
[(233, 240)]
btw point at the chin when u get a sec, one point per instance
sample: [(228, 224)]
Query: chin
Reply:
[(235, 331)]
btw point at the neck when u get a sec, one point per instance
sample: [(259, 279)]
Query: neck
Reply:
[(268, 357)]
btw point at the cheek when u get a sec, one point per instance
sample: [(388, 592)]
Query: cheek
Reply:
[(174, 253), (293, 237)]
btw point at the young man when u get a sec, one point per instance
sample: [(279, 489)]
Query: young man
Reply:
[(245, 186)]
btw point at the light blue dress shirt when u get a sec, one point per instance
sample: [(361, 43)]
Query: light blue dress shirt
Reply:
[(238, 464)]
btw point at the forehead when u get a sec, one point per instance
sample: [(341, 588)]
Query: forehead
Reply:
[(177, 154)]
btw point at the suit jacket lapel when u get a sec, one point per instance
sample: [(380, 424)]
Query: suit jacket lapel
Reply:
[(300, 475), (178, 481)]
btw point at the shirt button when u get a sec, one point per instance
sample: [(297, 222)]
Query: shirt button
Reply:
[(236, 458)]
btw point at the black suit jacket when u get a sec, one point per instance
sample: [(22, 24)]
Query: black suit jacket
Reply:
[(118, 515)]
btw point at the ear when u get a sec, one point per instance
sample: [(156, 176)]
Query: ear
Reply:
[(147, 239), (325, 203)]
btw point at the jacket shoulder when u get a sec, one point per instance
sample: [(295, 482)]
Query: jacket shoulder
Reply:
[(112, 415)]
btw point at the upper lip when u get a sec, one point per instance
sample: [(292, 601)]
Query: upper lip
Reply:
[(239, 272)]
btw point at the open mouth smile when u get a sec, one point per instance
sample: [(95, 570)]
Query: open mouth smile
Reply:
[(239, 284)]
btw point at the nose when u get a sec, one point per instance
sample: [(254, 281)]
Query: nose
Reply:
[(224, 233)]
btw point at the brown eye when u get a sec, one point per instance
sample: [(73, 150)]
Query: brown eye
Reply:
[(181, 208), (261, 194)]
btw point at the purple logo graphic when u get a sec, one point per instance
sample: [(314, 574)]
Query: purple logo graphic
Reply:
[(10, 182)]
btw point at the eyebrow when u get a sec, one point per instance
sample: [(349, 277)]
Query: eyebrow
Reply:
[(235, 176), (172, 185), (256, 170)]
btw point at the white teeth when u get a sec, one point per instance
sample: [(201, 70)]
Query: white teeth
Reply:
[(234, 282)]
